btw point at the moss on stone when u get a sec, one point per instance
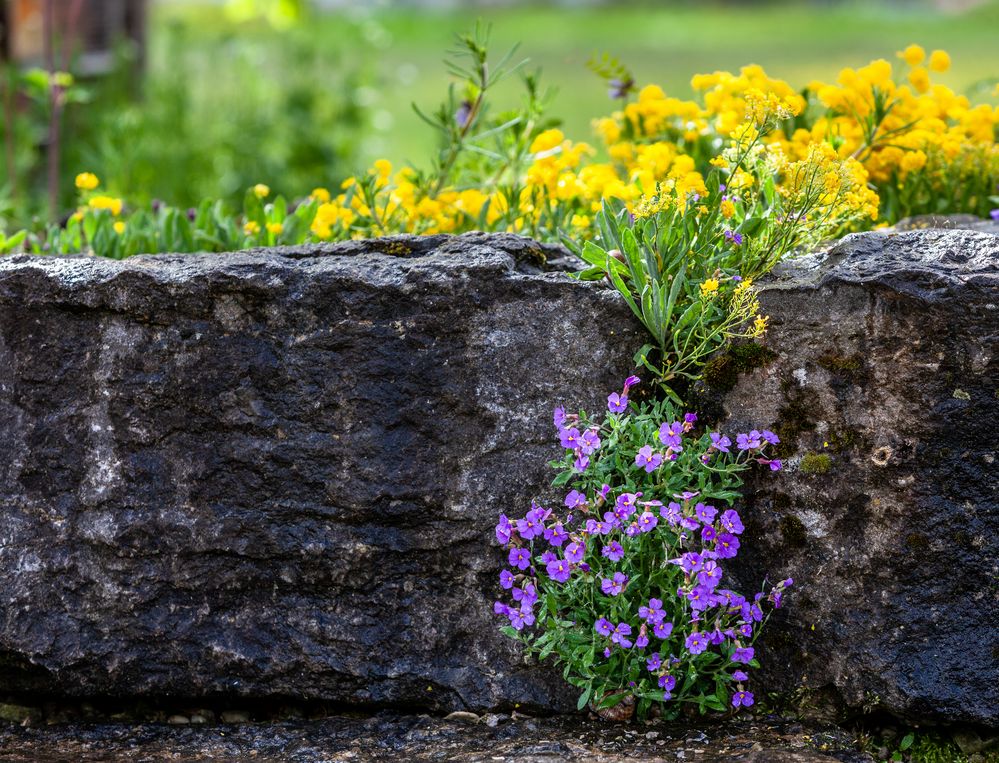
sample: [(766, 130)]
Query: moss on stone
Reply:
[(795, 417), (721, 373), (397, 248), (793, 531), (815, 463), (917, 541)]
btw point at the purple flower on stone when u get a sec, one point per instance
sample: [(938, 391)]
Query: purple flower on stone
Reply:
[(775, 464), (556, 535), (720, 442), (690, 418), (994, 214), (705, 513), (519, 618), (569, 438), (731, 522), (615, 585), (504, 530), (743, 654), (653, 662), (621, 631), (617, 403), (532, 524), (506, 579), (770, 437), (710, 574), (581, 463), (527, 595), (726, 545), (645, 457), (559, 417), (697, 643), (630, 382), (662, 629), (749, 440), (501, 609), (613, 551), (575, 551), (740, 675), (744, 698), (589, 442), (603, 626), (652, 613), (647, 522), (559, 570), (519, 558), (671, 435), (574, 498)]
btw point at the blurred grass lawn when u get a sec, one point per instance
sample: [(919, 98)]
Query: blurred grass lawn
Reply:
[(663, 43)]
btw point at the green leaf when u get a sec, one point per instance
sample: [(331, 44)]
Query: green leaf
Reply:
[(584, 697), (907, 741)]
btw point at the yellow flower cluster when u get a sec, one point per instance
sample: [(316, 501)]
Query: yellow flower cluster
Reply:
[(866, 134)]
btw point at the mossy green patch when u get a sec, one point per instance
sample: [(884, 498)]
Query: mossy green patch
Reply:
[(721, 373), (815, 463), (793, 531)]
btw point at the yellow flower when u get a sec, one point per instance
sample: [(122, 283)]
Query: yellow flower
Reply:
[(275, 228), (546, 141), (919, 79), (87, 181), (260, 190), (709, 287), (912, 55), (320, 194), (251, 228), (106, 202), (760, 324), (119, 227), (939, 61), (727, 208)]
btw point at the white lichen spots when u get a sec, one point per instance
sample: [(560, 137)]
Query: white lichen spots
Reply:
[(814, 522), (801, 376), (28, 562)]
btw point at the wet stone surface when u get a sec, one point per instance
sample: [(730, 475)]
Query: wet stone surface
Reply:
[(491, 737)]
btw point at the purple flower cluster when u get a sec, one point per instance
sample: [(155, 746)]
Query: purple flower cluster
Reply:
[(594, 554)]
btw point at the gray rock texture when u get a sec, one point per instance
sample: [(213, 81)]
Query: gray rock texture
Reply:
[(885, 390), (277, 473)]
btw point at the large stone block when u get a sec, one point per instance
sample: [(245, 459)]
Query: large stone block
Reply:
[(277, 473), (885, 389)]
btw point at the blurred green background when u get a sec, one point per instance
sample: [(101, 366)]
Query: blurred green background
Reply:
[(236, 92)]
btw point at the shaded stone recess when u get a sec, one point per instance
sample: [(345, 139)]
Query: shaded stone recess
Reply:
[(277, 472), (884, 387), (420, 738)]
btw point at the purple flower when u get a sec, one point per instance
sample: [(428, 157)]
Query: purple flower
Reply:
[(749, 440), (707, 534), (506, 579), (743, 654), (463, 114), (994, 214), (775, 464), (662, 629), (613, 551), (574, 499), (556, 535), (770, 437), (730, 521), (653, 662), (569, 438), (645, 457), (574, 552), (519, 618), (726, 545), (689, 562), (701, 598), (647, 522), (532, 524), (705, 513), (642, 641), (667, 683), (630, 382), (559, 570), (670, 435), (740, 675), (720, 442), (614, 586), (603, 626), (548, 556), (744, 698), (735, 238), (589, 442), (672, 513), (746, 630), (503, 530), (689, 419), (501, 609), (786, 583), (559, 417), (620, 632), (527, 595), (697, 643), (653, 613), (604, 491), (581, 463), (607, 652), (624, 507), (617, 403), (519, 558), (619, 88), (710, 574)]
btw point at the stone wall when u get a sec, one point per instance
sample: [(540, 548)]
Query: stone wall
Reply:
[(277, 472)]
